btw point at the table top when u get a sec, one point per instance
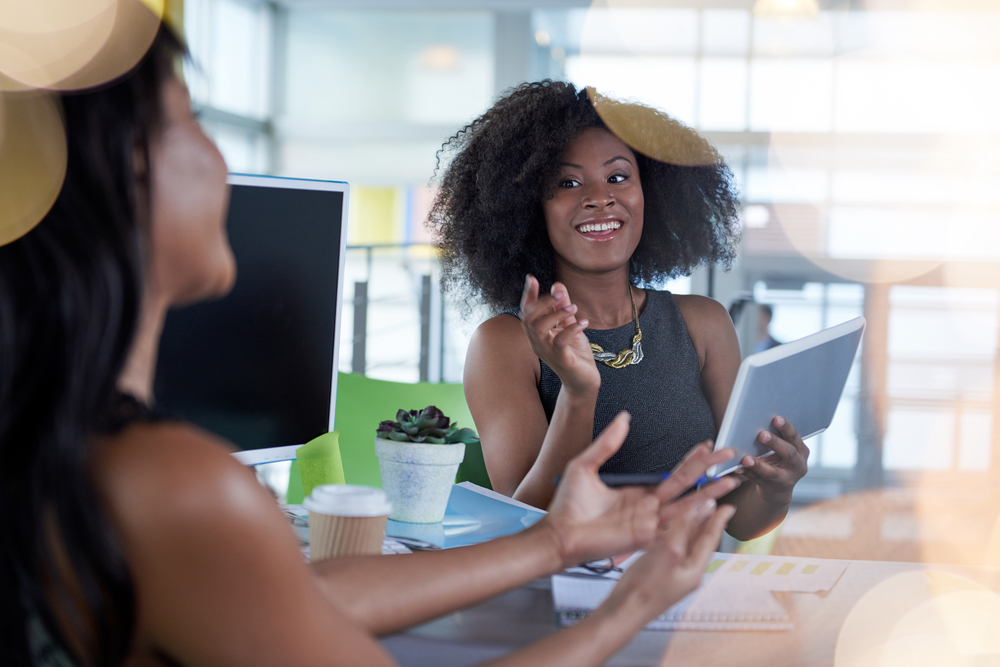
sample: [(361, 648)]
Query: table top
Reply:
[(853, 622)]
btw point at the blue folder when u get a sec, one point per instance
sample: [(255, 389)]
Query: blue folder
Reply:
[(471, 518)]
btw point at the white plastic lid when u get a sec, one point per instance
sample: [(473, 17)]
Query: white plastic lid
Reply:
[(348, 500)]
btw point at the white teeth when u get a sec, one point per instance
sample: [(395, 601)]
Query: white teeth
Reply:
[(599, 227)]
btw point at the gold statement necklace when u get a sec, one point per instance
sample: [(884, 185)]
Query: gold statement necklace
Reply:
[(628, 356)]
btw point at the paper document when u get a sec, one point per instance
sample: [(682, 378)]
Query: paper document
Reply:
[(735, 593), (777, 573)]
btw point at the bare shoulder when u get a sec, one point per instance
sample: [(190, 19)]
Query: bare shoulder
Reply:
[(173, 476), (218, 575), (500, 341), (502, 331), (708, 323), (698, 309)]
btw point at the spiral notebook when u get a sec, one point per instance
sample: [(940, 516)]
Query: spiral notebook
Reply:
[(736, 593), (705, 609)]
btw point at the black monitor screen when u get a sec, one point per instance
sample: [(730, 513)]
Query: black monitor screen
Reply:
[(256, 367)]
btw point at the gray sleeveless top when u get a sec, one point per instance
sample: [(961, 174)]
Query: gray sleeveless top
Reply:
[(670, 414)]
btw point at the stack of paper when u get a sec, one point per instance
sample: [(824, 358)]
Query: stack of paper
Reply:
[(735, 593)]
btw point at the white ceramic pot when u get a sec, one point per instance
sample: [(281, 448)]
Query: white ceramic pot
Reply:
[(418, 478)]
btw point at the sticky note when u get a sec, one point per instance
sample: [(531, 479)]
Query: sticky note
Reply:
[(319, 462), (761, 568)]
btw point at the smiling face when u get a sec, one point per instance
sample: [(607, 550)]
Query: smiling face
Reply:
[(594, 217), (190, 254)]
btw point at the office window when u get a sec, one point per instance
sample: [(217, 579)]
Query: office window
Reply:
[(229, 77), (230, 44), (788, 38), (940, 383), (912, 232), (773, 182), (722, 90), (917, 96), (791, 95), (409, 67), (639, 31), (725, 32), (665, 83)]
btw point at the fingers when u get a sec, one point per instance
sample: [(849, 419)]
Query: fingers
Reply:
[(710, 492), (557, 298), (541, 320), (711, 532), (543, 313), (791, 435), (530, 294), (719, 488), (570, 329), (685, 529), (607, 443), (767, 471), (789, 453), (781, 447), (645, 521), (691, 469)]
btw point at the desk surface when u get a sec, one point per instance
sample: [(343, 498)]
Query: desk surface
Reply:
[(870, 592)]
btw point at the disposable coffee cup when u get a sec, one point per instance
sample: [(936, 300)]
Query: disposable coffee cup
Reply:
[(346, 520)]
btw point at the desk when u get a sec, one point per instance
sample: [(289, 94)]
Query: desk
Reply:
[(525, 615)]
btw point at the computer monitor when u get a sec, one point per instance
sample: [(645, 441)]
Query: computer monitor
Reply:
[(259, 366)]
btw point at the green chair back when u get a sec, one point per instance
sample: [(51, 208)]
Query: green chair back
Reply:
[(363, 402)]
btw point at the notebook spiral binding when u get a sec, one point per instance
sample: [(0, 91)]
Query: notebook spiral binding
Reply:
[(571, 616)]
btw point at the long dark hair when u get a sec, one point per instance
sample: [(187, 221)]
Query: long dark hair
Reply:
[(70, 294), (487, 217)]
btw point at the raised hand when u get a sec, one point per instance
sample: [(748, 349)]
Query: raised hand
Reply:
[(674, 564), (557, 337), (777, 473), (591, 520)]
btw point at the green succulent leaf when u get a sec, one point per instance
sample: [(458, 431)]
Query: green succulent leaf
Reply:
[(429, 425), (464, 435)]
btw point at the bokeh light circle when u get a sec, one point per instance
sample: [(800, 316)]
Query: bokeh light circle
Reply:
[(921, 619), (73, 44), (32, 160)]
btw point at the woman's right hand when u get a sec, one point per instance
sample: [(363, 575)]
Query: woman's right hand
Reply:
[(674, 565), (557, 337)]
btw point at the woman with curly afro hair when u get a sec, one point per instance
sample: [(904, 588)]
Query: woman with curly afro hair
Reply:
[(561, 208)]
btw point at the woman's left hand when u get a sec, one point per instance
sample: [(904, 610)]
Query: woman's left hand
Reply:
[(777, 473)]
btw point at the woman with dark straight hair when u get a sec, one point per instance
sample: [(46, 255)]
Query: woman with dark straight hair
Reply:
[(130, 538)]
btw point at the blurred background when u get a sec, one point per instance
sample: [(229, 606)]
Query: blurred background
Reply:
[(864, 136)]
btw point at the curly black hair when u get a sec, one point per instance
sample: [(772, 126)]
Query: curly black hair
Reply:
[(487, 216)]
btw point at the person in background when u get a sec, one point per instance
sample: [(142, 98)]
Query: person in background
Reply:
[(561, 226), (131, 538), (765, 341)]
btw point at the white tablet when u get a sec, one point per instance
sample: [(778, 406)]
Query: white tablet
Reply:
[(802, 381)]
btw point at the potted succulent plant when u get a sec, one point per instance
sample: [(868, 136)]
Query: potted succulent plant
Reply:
[(418, 456)]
